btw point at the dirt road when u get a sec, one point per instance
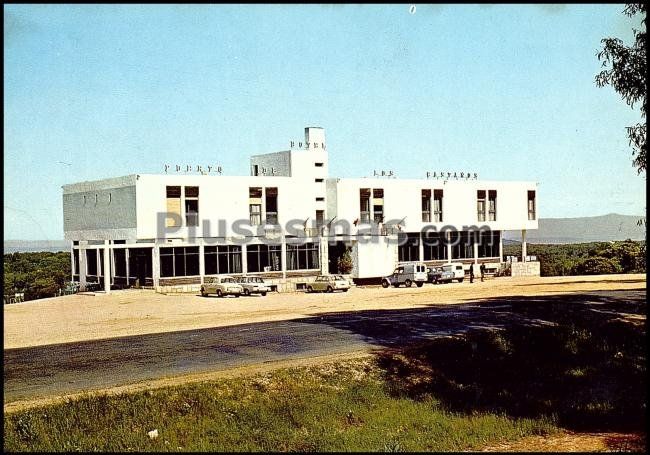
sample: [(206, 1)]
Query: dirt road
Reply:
[(135, 312)]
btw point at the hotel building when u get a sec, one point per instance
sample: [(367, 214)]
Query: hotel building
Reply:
[(288, 221)]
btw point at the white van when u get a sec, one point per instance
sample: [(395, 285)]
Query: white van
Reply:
[(457, 269), (407, 274)]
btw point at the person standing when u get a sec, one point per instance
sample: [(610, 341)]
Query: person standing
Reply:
[(482, 271), (471, 273)]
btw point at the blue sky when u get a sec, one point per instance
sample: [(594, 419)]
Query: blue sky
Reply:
[(96, 91)]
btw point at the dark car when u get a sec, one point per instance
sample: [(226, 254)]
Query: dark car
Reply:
[(437, 275)]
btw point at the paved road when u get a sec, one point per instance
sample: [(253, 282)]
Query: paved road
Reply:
[(73, 367)]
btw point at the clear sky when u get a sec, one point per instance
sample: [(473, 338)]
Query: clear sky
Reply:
[(97, 91)]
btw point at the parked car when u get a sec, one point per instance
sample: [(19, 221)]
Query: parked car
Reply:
[(457, 269), (329, 283), (253, 285), (437, 275), (221, 285), (407, 274)]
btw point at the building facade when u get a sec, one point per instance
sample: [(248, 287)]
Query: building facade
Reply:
[(288, 221)]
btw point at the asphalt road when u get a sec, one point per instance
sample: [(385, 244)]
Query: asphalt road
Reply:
[(61, 369)]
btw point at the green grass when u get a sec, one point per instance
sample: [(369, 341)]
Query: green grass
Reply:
[(578, 363), (344, 406)]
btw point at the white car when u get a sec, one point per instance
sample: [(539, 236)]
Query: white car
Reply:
[(329, 283), (253, 285), (457, 269), (221, 285)]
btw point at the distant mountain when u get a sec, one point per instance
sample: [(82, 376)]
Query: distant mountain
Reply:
[(603, 228), (13, 246)]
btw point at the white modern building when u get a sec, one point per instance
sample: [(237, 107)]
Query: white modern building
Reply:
[(288, 221)]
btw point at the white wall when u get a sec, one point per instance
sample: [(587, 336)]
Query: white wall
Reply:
[(403, 198), (376, 258), (220, 197)]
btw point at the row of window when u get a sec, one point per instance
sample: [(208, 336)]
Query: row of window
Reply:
[(435, 245), (486, 204), (371, 205), (225, 259)]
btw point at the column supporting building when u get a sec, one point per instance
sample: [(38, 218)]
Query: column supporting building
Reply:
[(448, 236), (500, 246), (421, 248), (202, 261), (83, 260), (523, 245), (155, 265), (107, 267)]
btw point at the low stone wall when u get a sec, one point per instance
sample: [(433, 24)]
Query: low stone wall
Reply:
[(524, 269)]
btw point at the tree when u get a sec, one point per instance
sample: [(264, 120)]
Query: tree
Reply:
[(626, 72), (345, 263)]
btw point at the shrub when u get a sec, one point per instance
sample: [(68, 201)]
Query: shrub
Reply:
[(345, 262), (597, 265)]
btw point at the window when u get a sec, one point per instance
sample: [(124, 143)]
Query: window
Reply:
[(255, 205), (318, 164), (91, 262), (435, 246), (320, 199), (179, 261), (480, 205), (320, 218), (75, 260), (492, 205), (409, 247), (191, 205), (173, 218), (462, 245), (437, 206), (318, 180), (426, 206), (256, 169), (261, 256), (222, 259), (364, 203), (488, 244), (271, 205), (119, 259), (302, 257), (531, 205), (378, 205)]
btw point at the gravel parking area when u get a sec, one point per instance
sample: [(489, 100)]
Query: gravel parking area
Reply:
[(91, 316)]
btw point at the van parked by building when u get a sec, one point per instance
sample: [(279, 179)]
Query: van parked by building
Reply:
[(457, 269), (407, 274)]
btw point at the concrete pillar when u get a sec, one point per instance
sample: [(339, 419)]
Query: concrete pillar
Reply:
[(421, 249), (523, 245), (72, 269), (112, 266), (202, 261), (107, 267), (448, 235), (324, 255), (500, 246), (244, 259), (126, 258), (475, 245), (83, 261), (155, 266), (283, 257)]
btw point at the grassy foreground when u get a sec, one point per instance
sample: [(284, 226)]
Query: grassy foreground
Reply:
[(336, 407), (574, 363)]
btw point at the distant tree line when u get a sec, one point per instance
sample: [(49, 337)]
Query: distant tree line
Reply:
[(38, 275), (594, 258)]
